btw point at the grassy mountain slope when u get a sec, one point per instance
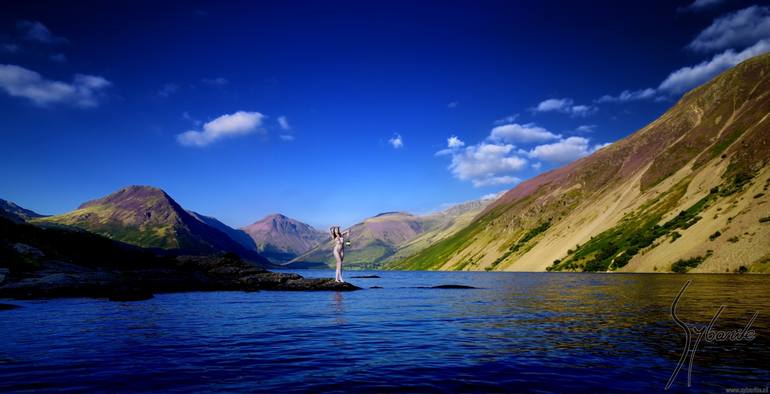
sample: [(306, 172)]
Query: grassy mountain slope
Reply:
[(686, 192), (148, 217)]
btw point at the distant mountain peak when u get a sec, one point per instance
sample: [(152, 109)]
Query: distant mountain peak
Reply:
[(147, 216), (135, 192), (281, 238)]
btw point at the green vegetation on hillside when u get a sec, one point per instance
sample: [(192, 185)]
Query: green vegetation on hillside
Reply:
[(614, 248), (522, 242), (437, 254), (684, 265)]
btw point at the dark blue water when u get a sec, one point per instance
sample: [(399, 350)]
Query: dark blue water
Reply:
[(518, 332)]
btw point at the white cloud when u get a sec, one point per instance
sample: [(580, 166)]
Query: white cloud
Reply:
[(218, 81), (38, 32), (735, 30), (586, 128), (486, 164), (749, 26), (599, 146), (522, 133), (554, 105), (238, 123), (168, 90), (83, 91), (287, 137), (492, 196), (689, 77), (283, 122), (496, 180), (453, 104), (495, 160), (454, 142), (563, 151), (564, 105), (396, 142), (628, 95)]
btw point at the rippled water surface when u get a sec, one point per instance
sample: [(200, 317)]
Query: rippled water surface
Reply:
[(516, 332)]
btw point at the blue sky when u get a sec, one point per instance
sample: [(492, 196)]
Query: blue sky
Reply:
[(331, 112)]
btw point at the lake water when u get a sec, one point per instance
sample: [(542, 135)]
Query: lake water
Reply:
[(516, 332)]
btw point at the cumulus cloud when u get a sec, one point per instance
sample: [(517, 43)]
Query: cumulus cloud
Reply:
[(218, 81), (230, 125), (735, 30), (454, 142), (453, 104), (38, 32), (396, 141), (495, 160), (486, 164), (564, 151), (689, 77), (522, 133), (84, 90), (564, 105)]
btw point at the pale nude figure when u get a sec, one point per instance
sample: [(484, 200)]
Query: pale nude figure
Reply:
[(339, 249)]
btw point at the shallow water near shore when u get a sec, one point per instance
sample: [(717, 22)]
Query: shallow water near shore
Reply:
[(514, 332)]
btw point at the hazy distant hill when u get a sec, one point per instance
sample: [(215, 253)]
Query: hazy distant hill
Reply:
[(280, 238), (378, 240), (687, 192), (148, 217)]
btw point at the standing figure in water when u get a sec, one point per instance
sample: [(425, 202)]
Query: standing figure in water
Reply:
[(339, 249)]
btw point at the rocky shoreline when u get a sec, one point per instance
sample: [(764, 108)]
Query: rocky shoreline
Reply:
[(55, 279)]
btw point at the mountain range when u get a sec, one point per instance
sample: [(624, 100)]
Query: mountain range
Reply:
[(387, 237), (688, 192), (148, 217)]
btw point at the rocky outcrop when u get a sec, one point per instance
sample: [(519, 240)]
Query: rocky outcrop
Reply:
[(185, 273)]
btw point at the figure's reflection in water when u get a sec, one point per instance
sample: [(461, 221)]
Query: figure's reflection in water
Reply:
[(339, 308)]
